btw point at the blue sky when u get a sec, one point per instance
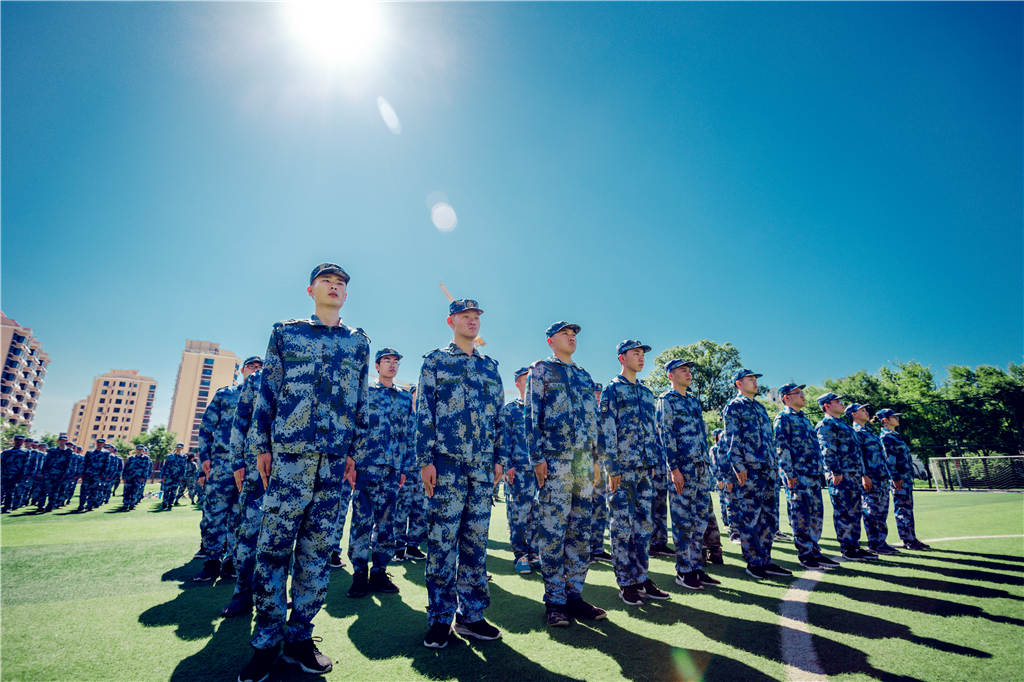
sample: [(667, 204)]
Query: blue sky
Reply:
[(830, 187)]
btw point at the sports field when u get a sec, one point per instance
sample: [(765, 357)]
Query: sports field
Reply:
[(106, 596)]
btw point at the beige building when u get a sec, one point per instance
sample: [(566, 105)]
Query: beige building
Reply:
[(23, 373), (204, 368), (119, 406)]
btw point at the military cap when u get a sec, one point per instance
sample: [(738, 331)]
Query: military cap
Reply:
[(179, 445), (328, 269), (786, 389), (101, 439), (678, 362), (461, 305), (853, 407), (140, 447), (62, 436), (18, 436), (521, 371), (885, 412), (827, 398), (383, 352), (630, 344), (559, 326), (744, 373), (253, 358)]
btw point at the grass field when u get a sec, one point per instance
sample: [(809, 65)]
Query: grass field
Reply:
[(106, 596)]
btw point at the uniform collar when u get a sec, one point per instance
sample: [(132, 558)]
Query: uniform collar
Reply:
[(561, 362), (316, 321), (791, 410), (455, 350), (377, 384)]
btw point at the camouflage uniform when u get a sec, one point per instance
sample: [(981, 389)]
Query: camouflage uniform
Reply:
[(12, 469), (136, 470), (117, 465), (71, 478), (799, 457), (840, 451), (459, 431), (749, 446), (94, 471), (632, 451), (411, 510), (384, 455), (722, 470), (901, 468), (561, 413), (54, 472), (874, 504), (310, 413), (172, 475), (521, 496), (38, 489), (220, 506), (685, 442), (250, 500), (195, 491)]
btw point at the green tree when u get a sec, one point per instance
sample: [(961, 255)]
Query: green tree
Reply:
[(123, 447), (50, 439), (712, 375), (9, 432), (159, 441)]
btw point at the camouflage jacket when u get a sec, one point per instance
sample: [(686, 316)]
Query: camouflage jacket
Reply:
[(797, 446), (561, 410), (684, 437), (57, 463), (875, 466), (897, 456), (513, 418), (840, 448), (747, 440), (215, 429), (389, 438), (628, 421), (240, 424)]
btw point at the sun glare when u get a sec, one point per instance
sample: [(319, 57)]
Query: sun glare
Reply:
[(338, 33)]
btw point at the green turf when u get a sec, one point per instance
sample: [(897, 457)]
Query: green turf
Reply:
[(105, 596)]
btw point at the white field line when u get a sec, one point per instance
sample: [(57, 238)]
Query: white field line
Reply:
[(798, 654)]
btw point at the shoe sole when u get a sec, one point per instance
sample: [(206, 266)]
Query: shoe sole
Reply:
[(754, 575), (311, 671), (656, 596), (710, 582), (559, 624), (639, 602), (780, 575), (689, 587), (466, 632), (435, 645)]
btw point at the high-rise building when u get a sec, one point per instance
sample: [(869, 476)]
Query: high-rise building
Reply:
[(119, 406), (204, 368), (24, 369)]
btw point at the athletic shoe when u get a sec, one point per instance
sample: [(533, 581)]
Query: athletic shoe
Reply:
[(437, 636), (826, 562), (336, 561), (775, 569), (227, 570), (360, 586), (650, 590), (734, 538), (535, 561), (885, 549), (689, 580), (706, 579), (259, 666), (866, 554), (601, 555), (380, 582), (399, 555), (555, 616), (631, 595), (779, 535), (756, 572), (305, 655), (239, 604), (716, 557), (809, 562), (478, 629), (916, 544), (211, 569), (582, 610), (662, 549), (853, 554), (414, 552), (892, 550), (523, 566)]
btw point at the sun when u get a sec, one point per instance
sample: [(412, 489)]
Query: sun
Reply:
[(338, 33)]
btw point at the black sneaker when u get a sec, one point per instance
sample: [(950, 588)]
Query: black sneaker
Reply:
[(853, 554), (210, 572), (555, 616), (305, 655), (201, 554), (534, 561), (716, 558), (582, 610), (437, 636), (689, 580), (227, 570), (884, 549), (809, 562), (360, 586), (601, 555), (706, 579), (662, 549), (826, 562), (399, 555), (479, 629), (865, 554), (380, 581), (734, 538), (650, 590), (631, 595), (239, 604), (414, 553), (890, 549), (756, 572), (335, 560), (916, 545), (775, 569), (259, 666)]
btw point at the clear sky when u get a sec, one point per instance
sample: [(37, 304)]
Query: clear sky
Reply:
[(830, 187)]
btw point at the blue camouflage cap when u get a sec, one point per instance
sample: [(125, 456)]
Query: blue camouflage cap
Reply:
[(630, 344), (520, 372), (786, 389), (62, 436), (678, 362), (328, 269), (384, 352), (461, 305), (885, 413), (101, 439), (252, 358), (827, 398), (853, 407), (140, 447), (179, 445), (559, 326), (744, 373), (18, 436)]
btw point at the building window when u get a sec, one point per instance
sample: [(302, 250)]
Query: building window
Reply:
[(103, 400), (121, 384), (207, 372), (208, 362), (204, 382), (113, 419), (106, 383), (204, 394), (117, 409), (103, 392), (201, 403), (97, 418), (95, 428)]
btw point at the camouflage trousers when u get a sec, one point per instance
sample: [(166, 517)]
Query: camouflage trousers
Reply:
[(458, 516), (344, 500), (521, 511), (875, 509), (723, 501), (171, 489), (38, 491), (751, 512), (23, 492), (846, 511), (659, 507), (689, 522), (52, 492), (68, 490), (411, 513), (630, 510), (300, 510), (776, 508), (903, 510), (372, 534), (599, 503), (564, 508), (220, 512), (92, 492), (131, 493), (712, 537), (805, 517), (8, 487)]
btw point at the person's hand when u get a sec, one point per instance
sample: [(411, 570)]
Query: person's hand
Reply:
[(510, 475), (597, 474), (541, 472), (239, 478), (678, 481), (866, 482), (428, 475), (497, 473), (613, 483), (728, 487), (741, 477), (264, 461), (722, 485), (791, 483), (401, 481), (206, 468), (898, 485), (350, 471)]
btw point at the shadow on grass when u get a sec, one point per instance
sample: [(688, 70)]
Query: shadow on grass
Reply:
[(1000, 557), (943, 586), (977, 563), (913, 602)]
